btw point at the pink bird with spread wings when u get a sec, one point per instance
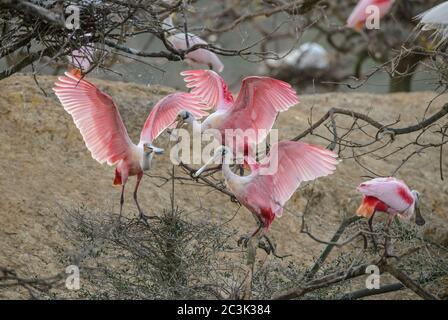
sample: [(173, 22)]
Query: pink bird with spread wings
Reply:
[(270, 184), (361, 12), (389, 195), (254, 111), (98, 119)]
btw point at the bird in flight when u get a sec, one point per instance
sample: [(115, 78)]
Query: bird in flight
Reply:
[(272, 182), (97, 117), (252, 114)]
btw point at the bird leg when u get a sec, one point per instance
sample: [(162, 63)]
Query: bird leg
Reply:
[(142, 216), (370, 223), (244, 239), (271, 248), (387, 252), (121, 202)]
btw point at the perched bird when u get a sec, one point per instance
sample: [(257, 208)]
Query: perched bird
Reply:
[(258, 103), (309, 56), (360, 13), (199, 56), (389, 195), (98, 119), (82, 58), (436, 19), (272, 183)]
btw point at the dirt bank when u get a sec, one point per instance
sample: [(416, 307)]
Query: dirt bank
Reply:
[(45, 167)]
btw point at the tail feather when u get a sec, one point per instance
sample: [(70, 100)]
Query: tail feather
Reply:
[(117, 179), (365, 210), (76, 72), (367, 207)]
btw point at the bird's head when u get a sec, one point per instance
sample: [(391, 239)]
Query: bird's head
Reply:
[(183, 117), (220, 152), (364, 187), (419, 220), (416, 195), (148, 149)]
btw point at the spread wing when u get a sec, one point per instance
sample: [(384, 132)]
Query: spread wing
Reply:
[(96, 116), (258, 104), (289, 163), (164, 113), (209, 86)]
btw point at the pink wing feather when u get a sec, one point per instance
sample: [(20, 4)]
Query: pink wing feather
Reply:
[(296, 162), (96, 116), (164, 113), (209, 86), (393, 192), (258, 103)]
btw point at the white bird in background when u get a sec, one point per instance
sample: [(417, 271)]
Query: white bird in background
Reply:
[(309, 55), (200, 56), (436, 19)]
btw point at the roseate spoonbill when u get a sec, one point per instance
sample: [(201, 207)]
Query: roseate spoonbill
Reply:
[(82, 58), (198, 56), (258, 103), (98, 119), (436, 19), (309, 55), (392, 196), (389, 195), (264, 194), (359, 14)]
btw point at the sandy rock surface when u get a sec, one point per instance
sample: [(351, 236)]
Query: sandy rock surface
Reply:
[(45, 167)]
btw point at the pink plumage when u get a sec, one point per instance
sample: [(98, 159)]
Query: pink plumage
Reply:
[(97, 118), (164, 113), (210, 86), (199, 56), (258, 103), (389, 195), (274, 180), (82, 58), (293, 162), (102, 128), (359, 15)]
